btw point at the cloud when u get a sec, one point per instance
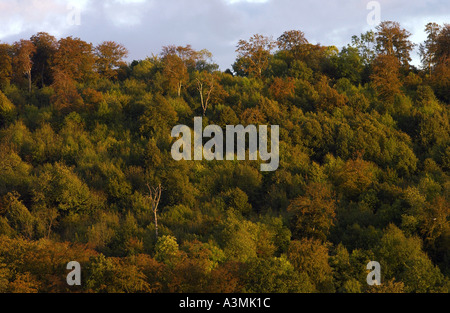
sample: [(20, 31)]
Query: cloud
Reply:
[(145, 26)]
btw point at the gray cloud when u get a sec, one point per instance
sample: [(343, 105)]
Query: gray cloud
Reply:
[(145, 26)]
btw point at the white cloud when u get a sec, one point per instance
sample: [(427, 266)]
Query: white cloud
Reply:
[(145, 26)]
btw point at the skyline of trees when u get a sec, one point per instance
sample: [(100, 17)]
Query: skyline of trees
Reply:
[(86, 172)]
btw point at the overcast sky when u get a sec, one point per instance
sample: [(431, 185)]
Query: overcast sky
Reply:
[(144, 26)]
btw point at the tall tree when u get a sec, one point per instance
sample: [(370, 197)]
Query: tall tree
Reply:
[(441, 79), (365, 44), (443, 43), (109, 57), (385, 76), (429, 48), (154, 196), (5, 64), (254, 54), (46, 46), (75, 57), (186, 54), (205, 86), (22, 59), (174, 72), (66, 96), (292, 41), (393, 40)]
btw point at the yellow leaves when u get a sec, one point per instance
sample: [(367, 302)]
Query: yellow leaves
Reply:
[(255, 54), (313, 212), (354, 177)]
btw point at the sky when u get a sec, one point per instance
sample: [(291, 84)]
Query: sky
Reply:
[(144, 26)]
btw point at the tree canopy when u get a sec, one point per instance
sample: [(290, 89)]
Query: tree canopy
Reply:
[(86, 172)]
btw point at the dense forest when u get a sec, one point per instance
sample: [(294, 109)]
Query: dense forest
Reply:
[(86, 172)]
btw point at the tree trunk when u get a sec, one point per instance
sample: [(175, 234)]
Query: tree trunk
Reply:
[(156, 225), (29, 81)]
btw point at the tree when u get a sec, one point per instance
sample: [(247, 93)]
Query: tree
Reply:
[(109, 57), (46, 46), (365, 44), (385, 76), (205, 86), (188, 55), (22, 59), (282, 88), (66, 96), (292, 41), (429, 48), (402, 258), (441, 79), (443, 45), (174, 72), (393, 40), (18, 216), (310, 256), (75, 58), (328, 97), (313, 213), (7, 110), (167, 251), (273, 275), (154, 196), (5, 65), (254, 54), (354, 177), (350, 64)]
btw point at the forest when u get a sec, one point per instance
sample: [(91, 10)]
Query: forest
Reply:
[(86, 172)]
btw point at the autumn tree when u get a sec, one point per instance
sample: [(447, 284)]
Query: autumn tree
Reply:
[(443, 44), (314, 212), (282, 88), (254, 54), (385, 76), (393, 40), (328, 97), (22, 59), (109, 57), (192, 59), (354, 177), (66, 95), (174, 72), (75, 58), (311, 256), (187, 54)]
